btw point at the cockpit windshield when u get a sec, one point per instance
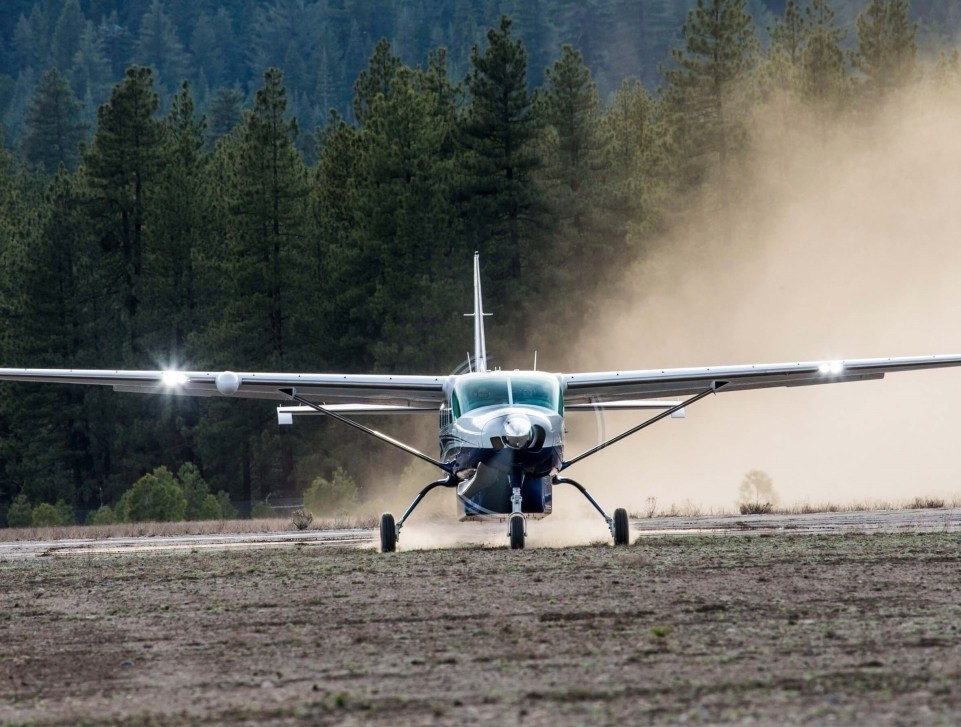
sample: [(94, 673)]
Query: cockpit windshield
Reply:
[(474, 392), (535, 391)]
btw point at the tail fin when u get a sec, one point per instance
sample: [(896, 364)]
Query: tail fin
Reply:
[(480, 345)]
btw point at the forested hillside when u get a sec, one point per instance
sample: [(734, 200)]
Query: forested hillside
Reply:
[(273, 186), (223, 48)]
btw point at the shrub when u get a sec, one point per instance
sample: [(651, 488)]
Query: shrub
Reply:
[(227, 509), (262, 511), (46, 515), (757, 491), (20, 514), (756, 508), (926, 503), (104, 515), (301, 519), (335, 496), (208, 509), (155, 497), (196, 492)]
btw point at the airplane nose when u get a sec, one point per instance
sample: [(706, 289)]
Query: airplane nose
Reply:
[(517, 431)]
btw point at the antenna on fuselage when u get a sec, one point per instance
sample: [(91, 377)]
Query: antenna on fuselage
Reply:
[(480, 344)]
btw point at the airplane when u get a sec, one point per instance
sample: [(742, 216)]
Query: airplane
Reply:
[(501, 435)]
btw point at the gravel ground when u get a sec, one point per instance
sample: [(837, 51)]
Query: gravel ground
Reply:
[(772, 629)]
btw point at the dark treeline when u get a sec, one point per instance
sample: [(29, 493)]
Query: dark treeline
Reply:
[(151, 245), (222, 48)]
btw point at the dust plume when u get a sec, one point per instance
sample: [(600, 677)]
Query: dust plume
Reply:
[(844, 242)]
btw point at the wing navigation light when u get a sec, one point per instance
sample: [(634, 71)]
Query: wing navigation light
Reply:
[(832, 368), (173, 379)]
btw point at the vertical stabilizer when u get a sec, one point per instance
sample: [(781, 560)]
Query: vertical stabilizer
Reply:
[(480, 345)]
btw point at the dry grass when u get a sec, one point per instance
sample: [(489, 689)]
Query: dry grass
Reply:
[(927, 503), (690, 509), (198, 527)]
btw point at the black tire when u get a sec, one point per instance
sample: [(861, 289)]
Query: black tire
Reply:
[(388, 533), (516, 530), (622, 527)]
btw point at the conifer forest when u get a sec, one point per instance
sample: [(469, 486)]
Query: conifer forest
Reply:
[(299, 185)]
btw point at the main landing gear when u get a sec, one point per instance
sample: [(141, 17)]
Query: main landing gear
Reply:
[(619, 524), (390, 532)]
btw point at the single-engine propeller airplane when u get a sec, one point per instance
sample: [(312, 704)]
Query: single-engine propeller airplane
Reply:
[(501, 432)]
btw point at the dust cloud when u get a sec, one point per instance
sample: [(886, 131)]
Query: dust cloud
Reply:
[(844, 241)]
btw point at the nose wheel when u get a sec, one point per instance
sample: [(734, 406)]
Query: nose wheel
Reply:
[(516, 527)]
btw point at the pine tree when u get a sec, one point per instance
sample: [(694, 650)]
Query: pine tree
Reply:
[(577, 166), (90, 73), (338, 250), (706, 87), (268, 196), (47, 449), (375, 80), (887, 46), (122, 165), (503, 205), (66, 36), (53, 129), (788, 39), (31, 40), (789, 34), (225, 113), (179, 202), (824, 76), (406, 220), (159, 47)]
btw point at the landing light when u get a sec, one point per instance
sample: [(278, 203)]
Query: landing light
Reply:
[(831, 367), (174, 378)]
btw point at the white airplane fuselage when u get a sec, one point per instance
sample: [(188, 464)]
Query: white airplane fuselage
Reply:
[(503, 430)]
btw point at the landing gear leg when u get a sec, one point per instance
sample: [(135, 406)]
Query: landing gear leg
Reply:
[(516, 523), (619, 524), (389, 532)]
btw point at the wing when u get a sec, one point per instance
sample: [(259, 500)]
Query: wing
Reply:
[(321, 388), (611, 386)]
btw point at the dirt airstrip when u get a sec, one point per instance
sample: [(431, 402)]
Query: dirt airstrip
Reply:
[(774, 629)]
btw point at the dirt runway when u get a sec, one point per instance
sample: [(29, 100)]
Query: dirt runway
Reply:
[(769, 629)]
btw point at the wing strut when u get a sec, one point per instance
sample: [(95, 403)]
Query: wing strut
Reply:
[(292, 393), (715, 385)]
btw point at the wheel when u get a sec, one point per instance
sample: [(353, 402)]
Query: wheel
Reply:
[(516, 530), (388, 533), (622, 528)]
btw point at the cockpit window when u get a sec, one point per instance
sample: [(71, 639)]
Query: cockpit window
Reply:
[(473, 394), (532, 391), (499, 390)]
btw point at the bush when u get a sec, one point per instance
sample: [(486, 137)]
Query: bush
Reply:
[(208, 509), (201, 505), (335, 496), (756, 508), (46, 515), (262, 511), (227, 509), (926, 503), (756, 495), (301, 519), (102, 516), (20, 514), (155, 497)]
